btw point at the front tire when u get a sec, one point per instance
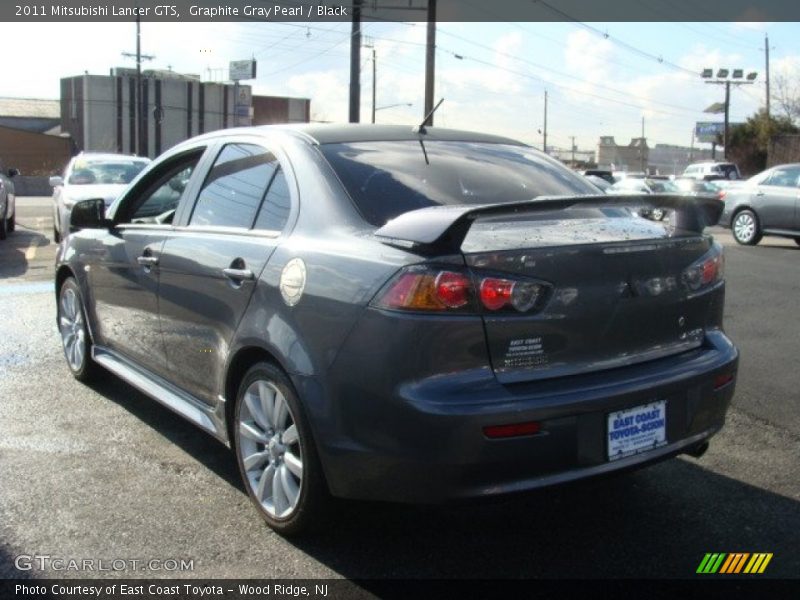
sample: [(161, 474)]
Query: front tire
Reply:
[(74, 333), (3, 228), (797, 241), (12, 224), (746, 229), (276, 453)]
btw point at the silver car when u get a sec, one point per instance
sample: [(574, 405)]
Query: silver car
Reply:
[(767, 204), (87, 176)]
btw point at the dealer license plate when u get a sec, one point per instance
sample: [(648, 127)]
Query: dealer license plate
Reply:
[(637, 430)]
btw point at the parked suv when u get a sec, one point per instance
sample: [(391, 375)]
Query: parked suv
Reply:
[(712, 170), (8, 203), (388, 313)]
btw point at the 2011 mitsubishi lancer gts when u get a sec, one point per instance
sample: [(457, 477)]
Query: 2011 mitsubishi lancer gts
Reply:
[(401, 314)]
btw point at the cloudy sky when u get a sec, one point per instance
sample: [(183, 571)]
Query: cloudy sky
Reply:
[(601, 78)]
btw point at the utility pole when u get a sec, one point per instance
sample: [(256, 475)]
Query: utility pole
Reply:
[(544, 140), (140, 109), (355, 64), (430, 60), (766, 54), (374, 82), (572, 137), (641, 148)]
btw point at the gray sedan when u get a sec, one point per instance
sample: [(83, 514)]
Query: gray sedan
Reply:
[(388, 313), (767, 204)]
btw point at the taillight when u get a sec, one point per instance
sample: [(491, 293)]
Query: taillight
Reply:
[(721, 195), (419, 288), (706, 271), (499, 293), (428, 288)]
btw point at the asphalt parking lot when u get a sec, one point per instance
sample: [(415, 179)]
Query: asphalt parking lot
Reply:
[(104, 473)]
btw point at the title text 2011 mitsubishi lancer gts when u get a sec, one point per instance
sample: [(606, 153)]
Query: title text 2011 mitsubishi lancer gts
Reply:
[(413, 315)]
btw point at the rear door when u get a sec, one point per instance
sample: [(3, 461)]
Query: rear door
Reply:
[(211, 263)]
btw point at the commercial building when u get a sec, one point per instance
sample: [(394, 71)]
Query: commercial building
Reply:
[(99, 111), (633, 157)]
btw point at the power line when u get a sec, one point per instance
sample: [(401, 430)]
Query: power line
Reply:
[(606, 35)]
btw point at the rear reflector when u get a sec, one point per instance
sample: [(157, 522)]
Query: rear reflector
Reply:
[(514, 430), (722, 380)]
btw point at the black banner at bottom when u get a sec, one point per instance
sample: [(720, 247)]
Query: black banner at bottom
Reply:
[(322, 589)]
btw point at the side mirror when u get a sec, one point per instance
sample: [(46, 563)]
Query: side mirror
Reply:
[(88, 214), (56, 180), (13, 172)]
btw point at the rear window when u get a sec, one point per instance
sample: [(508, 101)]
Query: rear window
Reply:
[(387, 179)]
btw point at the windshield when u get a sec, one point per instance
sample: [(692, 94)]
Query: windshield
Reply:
[(88, 172), (387, 179)]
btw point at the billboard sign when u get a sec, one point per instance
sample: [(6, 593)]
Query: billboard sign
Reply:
[(241, 70), (709, 133)]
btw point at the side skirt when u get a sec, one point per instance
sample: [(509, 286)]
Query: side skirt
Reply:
[(211, 420)]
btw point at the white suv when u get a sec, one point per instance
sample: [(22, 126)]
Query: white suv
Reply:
[(712, 170)]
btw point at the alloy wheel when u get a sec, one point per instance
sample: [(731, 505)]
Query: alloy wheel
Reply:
[(70, 324), (745, 228), (269, 449)]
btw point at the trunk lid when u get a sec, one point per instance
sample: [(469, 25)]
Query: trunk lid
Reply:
[(613, 281), (614, 292)]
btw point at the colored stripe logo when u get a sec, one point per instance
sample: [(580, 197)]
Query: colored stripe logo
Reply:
[(734, 563)]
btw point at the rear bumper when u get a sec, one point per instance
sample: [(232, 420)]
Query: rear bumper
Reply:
[(423, 441)]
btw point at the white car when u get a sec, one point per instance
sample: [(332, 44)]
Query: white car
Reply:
[(91, 175), (8, 203), (711, 171)]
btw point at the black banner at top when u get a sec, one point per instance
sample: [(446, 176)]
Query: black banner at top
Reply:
[(399, 10)]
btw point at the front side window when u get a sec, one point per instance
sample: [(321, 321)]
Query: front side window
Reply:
[(235, 187), (155, 198)]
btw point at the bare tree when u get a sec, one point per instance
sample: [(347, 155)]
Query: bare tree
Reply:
[(786, 94)]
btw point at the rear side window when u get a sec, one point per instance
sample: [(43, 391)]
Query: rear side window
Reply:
[(275, 209), (387, 179), (235, 187)]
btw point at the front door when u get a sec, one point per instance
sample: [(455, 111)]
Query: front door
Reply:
[(125, 270)]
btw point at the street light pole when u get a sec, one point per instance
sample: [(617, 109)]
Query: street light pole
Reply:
[(727, 117), (737, 78)]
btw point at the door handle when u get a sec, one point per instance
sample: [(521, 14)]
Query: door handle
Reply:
[(147, 261), (238, 274), (760, 194)]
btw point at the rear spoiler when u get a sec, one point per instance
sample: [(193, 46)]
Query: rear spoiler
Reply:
[(443, 228)]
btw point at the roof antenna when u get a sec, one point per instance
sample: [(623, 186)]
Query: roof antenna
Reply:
[(421, 127)]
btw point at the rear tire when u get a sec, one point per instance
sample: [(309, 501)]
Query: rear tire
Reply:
[(3, 228), (12, 224), (276, 453), (745, 228), (797, 241), (56, 235), (75, 337)]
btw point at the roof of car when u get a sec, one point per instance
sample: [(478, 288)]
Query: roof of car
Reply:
[(363, 132), (109, 156)]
